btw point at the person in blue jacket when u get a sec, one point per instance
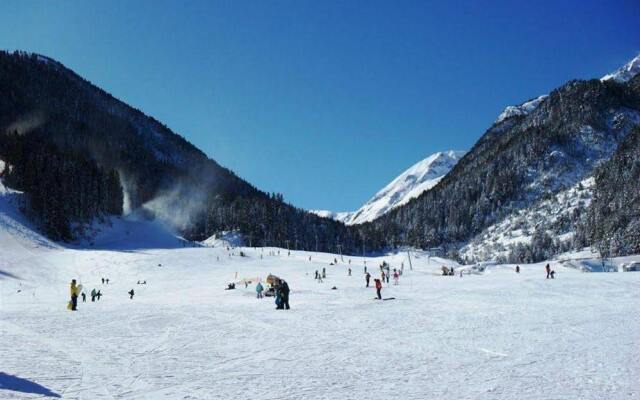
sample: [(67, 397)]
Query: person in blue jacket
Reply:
[(259, 289)]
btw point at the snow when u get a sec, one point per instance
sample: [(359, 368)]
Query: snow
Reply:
[(498, 239), (626, 72), (224, 239), (523, 109), (341, 216), (496, 334), (419, 178)]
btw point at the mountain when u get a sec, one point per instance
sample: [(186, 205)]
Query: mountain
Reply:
[(80, 155), (410, 184), (529, 157), (626, 72)]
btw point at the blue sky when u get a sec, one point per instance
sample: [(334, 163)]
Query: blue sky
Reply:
[(325, 101)]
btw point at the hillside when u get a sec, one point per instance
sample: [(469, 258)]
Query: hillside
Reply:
[(182, 326), (50, 116), (522, 159)]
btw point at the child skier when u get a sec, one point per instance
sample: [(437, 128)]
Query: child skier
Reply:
[(378, 288)]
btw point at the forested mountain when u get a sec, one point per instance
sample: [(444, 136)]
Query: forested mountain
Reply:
[(63, 139), (612, 223), (79, 155), (524, 158)]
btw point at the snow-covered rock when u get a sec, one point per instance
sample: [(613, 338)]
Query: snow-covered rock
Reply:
[(338, 216), (410, 184), (523, 109), (626, 72)]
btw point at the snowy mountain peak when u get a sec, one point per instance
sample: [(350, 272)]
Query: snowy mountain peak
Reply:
[(626, 72), (412, 183)]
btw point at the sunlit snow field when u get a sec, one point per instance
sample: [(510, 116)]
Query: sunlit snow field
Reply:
[(499, 335)]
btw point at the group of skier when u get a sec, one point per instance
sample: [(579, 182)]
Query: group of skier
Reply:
[(281, 291), (76, 291)]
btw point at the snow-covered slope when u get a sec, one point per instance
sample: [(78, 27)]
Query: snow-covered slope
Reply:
[(523, 109), (410, 184), (626, 72), (481, 336)]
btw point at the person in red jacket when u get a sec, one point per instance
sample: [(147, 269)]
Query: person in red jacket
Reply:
[(378, 288)]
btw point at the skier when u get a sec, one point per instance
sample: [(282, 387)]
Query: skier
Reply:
[(131, 293), (553, 274), (365, 269), (349, 271), (517, 269), (383, 275), (103, 281), (452, 272), (84, 297), (93, 295), (98, 295), (284, 288), (74, 295), (548, 269), (367, 277), (378, 288), (259, 289), (107, 280), (395, 277), (324, 273), (317, 274)]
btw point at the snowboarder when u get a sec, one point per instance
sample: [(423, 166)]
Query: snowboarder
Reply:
[(131, 293), (378, 288), (84, 297), (74, 295), (259, 289), (367, 277), (93, 295), (284, 288), (548, 269), (517, 269)]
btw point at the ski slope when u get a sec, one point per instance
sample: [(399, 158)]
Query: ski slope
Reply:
[(496, 335)]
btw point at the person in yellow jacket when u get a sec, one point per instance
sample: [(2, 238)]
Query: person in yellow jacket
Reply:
[(74, 295)]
